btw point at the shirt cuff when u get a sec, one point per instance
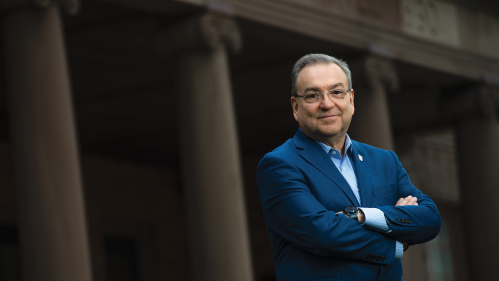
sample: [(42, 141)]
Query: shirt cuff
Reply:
[(399, 250), (375, 220)]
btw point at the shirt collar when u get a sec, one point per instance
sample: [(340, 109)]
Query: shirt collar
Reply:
[(327, 148)]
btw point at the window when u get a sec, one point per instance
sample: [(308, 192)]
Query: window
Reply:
[(121, 255), (439, 256), (10, 260)]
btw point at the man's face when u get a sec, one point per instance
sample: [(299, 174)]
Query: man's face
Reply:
[(326, 119)]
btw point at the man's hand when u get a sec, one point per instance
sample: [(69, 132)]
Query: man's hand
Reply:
[(408, 201), (361, 216)]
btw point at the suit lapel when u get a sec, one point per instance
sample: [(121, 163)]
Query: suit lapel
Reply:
[(363, 173), (318, 158)]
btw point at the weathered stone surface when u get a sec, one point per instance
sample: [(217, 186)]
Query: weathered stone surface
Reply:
[(431, 162), (383, 13), (479, 32), (432, 20), (341, 23), (206, 32), (71, 7)]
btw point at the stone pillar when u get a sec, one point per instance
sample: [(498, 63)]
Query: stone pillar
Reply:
[(209, 152), (477, 135), (373, 78), (51, 217)]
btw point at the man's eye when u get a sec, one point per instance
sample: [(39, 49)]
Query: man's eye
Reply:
[(311, 96), (337, 92)]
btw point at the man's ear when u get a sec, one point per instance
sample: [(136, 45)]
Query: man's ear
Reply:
[(351, 101), (294, 105)]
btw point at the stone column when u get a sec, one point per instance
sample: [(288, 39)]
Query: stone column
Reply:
[(477, 135), (51, 217), (209, 152), (373, 78)]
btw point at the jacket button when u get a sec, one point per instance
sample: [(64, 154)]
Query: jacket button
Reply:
[(410, 221), (383, 258), (378, 258), (406, 221), (397, 220), (368, 256)]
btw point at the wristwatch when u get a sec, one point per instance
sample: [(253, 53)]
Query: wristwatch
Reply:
[(351, 212)]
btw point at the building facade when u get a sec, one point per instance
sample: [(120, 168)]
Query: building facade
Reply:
[(131, 129)]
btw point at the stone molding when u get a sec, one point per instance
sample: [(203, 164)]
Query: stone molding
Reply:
[(433, 20), (71, 7), (321, 24), (201, 33), (376, 72)]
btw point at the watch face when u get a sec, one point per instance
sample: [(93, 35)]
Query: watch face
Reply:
[(350, 209)]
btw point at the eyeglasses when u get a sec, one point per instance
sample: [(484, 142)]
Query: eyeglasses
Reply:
[(334, 95)]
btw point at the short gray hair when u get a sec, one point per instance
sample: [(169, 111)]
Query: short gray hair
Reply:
[(313, 59)]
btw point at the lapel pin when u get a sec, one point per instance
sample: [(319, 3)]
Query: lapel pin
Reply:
[(360, 158)]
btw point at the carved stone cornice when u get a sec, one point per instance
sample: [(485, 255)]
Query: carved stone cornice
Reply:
[(476, 101), (375, 72), (71, 7), (201, 33)]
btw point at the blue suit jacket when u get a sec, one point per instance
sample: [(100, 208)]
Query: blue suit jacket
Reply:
[(301, 190)]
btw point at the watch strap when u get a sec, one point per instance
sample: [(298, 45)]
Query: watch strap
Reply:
[(354, 216)]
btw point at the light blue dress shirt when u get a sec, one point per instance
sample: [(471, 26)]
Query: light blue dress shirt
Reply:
[(374, 217)]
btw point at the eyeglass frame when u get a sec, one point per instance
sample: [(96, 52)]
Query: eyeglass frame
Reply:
[(321, 93)]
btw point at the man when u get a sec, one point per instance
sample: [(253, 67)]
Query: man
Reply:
[(337, 209)]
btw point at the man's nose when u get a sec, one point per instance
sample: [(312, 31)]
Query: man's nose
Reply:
[(327, 102)]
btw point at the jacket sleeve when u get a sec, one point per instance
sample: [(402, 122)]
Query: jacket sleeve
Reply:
[(412, 224), (293, 212)]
